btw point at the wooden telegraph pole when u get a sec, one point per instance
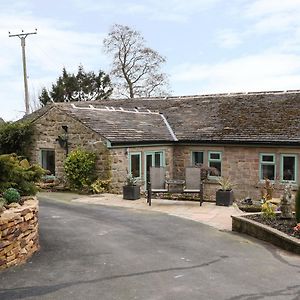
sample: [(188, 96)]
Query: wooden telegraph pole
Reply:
[(22, 37)]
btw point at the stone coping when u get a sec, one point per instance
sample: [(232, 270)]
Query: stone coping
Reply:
[(265, 233)]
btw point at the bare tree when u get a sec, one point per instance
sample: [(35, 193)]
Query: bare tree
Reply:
[(135, 67)]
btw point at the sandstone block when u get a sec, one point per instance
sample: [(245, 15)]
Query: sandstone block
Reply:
[(28, 216), (10, 258)]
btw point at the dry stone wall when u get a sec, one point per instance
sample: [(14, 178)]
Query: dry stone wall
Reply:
[(19, 237)]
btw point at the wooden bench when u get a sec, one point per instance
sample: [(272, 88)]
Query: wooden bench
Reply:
[(160, 184)]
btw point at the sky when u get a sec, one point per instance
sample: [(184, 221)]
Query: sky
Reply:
[(211, 46)]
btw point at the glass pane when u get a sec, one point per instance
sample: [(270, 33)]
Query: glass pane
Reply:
[(268, 172), (135, 165), (148, 162), (289, 168), (48, 161), (157, 159), (197, 158), (214, 156), (217, 166), (269, 158)]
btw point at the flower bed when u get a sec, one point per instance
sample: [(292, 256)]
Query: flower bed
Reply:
[(247, 224)]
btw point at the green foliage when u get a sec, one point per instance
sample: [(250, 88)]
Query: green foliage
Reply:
[(225, 184), (297, 208), (11, 195), (15, 137), (16, 172), (130, 180), (268, 210), (80, 169), (100, 186), (84, 86)]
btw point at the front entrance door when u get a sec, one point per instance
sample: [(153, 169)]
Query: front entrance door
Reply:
[(153, 159)]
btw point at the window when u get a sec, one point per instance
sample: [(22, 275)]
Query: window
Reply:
[(215, 161), (267, 166), (48, 160), (288, 167), (197, 157), (135, 164)]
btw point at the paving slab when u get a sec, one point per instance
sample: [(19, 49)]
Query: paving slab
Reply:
[(209, 213)]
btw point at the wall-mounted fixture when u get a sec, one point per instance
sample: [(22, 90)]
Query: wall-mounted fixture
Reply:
[(63, 139)]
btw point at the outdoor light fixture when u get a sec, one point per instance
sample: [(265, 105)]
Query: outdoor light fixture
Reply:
[(63, 139)]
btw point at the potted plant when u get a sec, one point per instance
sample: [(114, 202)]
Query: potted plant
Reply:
[(224, 196), (131, 190)]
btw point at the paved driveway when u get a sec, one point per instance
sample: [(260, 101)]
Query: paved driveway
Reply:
[(100, 252)]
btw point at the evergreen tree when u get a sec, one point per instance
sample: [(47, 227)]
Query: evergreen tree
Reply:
[(84, 86)]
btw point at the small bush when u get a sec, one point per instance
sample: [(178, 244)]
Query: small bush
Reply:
[(268, 210), (11, 195), (16, 172), (100, 186), (80, 169), (297, 207)]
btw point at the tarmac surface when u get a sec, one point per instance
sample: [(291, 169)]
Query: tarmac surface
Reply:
[(96, 251), (209, 213)]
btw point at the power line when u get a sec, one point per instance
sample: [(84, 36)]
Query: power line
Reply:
[(22, 37)]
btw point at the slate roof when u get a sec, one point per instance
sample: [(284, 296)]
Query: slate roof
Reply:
[(267, 117), (251, 118), (119, 125)]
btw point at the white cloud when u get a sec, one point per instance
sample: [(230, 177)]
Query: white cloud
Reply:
[(261, 8), (228, 38), (56, 45), (172, 10), (266, 71), (273, 16)]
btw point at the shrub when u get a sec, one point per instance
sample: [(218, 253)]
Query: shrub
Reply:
[(11, 195), (297, 207), (100, 186), (15, 137), (16, 172), (80, 169), (268, 210)]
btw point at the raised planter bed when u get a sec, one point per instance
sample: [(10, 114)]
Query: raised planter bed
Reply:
[(265, 233)]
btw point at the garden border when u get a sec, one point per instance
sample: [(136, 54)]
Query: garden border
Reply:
[(265, 233)]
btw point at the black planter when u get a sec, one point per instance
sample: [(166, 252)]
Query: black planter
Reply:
[(224, 198), (131, 192)]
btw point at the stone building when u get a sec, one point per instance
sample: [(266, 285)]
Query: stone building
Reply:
[(247, 137)]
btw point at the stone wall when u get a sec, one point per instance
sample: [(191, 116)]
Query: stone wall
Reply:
[(120, 163), (49, 127), (239, 163), (18, 234)]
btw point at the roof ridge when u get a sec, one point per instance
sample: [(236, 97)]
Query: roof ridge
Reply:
[(118, 109), (197, 96)]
